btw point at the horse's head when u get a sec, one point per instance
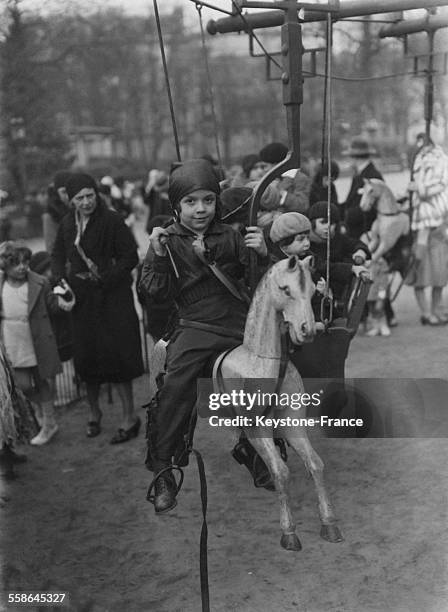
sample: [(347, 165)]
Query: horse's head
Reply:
[(376, 193), (292, 289), (368, 197)]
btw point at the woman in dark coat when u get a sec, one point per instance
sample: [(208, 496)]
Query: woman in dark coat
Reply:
[(101, 253)]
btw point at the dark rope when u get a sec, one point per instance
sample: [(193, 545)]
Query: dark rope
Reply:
[(203, 558), (167, 80), (210, 86)]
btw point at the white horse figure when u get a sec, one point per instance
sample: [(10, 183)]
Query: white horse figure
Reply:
[(389, 226), (285, 294)]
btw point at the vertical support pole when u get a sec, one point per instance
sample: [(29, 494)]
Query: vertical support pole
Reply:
[(429, 85), (292, 99), (291, 33)]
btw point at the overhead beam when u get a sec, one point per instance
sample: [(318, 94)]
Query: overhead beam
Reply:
[(349, 8), (412, 26), (359, 8)]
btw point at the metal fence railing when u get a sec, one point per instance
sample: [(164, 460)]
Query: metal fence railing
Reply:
[(68, 386)]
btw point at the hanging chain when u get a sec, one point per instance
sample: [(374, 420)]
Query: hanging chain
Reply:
[(167, 80), (210, 86)]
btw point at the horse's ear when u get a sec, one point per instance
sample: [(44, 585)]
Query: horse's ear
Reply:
[(292, 263), (308, 262)]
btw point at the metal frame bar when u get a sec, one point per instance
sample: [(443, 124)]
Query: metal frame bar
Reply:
[(350, 8), (430, 24), (413, 26)]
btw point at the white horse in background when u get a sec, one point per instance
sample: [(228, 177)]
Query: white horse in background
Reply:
[(284, 294), (389, 226)]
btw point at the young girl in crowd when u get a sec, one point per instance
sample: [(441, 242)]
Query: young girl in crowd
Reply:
[(27, 336)]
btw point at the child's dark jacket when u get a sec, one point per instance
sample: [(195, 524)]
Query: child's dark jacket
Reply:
[(342, 248), (199, 295)]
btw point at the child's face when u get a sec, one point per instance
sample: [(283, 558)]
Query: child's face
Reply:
[(62, 192), (259, 170), (18, 270), (299, 246), (197, 209), (323, 227)]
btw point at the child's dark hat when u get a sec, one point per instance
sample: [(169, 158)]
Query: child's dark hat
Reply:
[(273, 153), (320, 211)]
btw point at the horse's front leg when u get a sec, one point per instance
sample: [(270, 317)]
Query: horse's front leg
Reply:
[(267, 450), (315, 466)]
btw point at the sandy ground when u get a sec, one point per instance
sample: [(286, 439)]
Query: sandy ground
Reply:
[(76, 520)]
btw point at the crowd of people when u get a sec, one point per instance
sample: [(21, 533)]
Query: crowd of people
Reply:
[(75, 299)]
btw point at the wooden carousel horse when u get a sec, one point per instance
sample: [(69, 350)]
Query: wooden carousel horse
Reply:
[(390, 226), (283, 297)]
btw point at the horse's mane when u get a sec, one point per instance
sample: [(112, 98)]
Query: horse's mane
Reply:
[(266, 278)]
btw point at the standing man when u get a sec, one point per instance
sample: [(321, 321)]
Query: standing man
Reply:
[(358, 222)]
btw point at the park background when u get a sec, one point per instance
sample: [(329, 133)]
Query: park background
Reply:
[(80, 79)]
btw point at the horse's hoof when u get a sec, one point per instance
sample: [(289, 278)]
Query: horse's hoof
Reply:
[(290, 541), (331, 533)]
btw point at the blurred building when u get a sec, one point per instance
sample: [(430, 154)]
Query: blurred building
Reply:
[(92, 144)]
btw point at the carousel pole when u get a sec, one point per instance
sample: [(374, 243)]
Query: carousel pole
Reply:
[(429, 86), (291, 52), (291, 49), (430, 24)]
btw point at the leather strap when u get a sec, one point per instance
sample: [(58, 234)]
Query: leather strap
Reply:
[(215, 329), (219, 274), (284, 355)]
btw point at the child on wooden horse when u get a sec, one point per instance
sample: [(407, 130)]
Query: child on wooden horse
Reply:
[(295, 234), (290, 235), (199, 262), (347, 255)]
